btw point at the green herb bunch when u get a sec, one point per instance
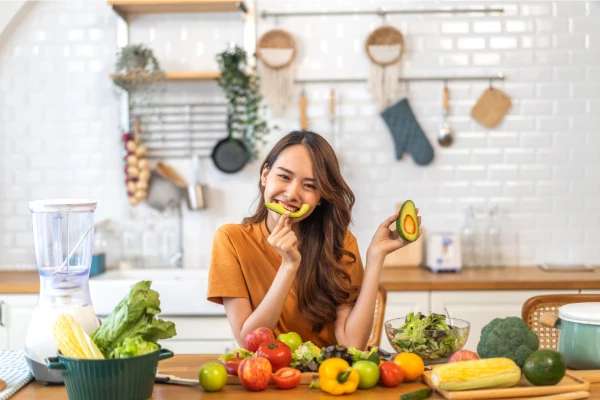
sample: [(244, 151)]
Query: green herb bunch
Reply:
[(242, 91)]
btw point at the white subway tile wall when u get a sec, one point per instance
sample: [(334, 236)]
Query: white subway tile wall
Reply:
[(540, 165)]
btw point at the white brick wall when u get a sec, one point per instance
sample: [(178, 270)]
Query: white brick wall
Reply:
[(540, 165)]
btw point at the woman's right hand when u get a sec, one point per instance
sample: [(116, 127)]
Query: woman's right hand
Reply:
[(285, 242)]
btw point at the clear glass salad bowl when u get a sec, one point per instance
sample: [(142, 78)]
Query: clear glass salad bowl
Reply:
[(434, 346)]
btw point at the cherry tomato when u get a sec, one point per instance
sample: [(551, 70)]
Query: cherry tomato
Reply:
[(390, 374), (277, 352), (286, 378)]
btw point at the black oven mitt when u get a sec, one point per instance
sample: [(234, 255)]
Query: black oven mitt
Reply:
[(407, 133)]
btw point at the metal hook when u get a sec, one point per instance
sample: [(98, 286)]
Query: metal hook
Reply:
[(383, 14)]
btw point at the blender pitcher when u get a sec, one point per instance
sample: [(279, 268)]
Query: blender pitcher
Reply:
[(63, 233)]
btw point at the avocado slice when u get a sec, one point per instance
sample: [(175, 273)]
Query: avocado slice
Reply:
[(279, 209), (407, 224)]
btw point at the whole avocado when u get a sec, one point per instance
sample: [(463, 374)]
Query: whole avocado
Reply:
[(508, 337)]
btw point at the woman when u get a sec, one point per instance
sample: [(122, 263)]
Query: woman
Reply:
[(304, 274)]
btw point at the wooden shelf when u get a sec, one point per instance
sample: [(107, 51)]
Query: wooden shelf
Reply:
[(185, 76), (125, 7)]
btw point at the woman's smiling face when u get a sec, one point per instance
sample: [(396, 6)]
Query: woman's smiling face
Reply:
[(291, 182)]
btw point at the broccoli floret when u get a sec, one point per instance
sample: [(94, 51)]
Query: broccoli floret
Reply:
[(508, 337)]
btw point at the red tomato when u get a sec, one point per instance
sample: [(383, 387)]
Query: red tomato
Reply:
[(286, 378), (390, 374), (232, 366), (277, 352)]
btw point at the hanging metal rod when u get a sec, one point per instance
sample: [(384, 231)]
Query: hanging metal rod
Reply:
[(383, 12), (498, 77)]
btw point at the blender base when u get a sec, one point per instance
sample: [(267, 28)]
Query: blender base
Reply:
[(42, 373)]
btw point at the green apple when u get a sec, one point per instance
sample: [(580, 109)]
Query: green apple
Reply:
[(292, 339), (368, 372), (212, 377)]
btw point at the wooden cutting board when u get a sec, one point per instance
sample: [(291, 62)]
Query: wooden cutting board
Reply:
[(523, 389), (491, 107), (2, 385)]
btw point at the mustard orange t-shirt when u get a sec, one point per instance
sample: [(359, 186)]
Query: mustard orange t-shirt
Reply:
[(243, 264)]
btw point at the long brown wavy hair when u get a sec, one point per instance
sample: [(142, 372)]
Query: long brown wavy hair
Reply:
[(322, 283)]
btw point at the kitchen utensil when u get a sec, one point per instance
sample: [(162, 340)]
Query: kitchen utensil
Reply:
[(230, 155), (445, 138), (444, 252), (168, 172), (111, 379), (332, 119), (579, 339), (491, 107), (195, 191), (523, 390), (175, 380), (63, 239), (163, 192), (303, 117)]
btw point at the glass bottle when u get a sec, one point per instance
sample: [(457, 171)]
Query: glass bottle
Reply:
[(494, 239), (467, 239)]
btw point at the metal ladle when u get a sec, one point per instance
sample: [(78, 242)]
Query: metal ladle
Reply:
[(445, 137)]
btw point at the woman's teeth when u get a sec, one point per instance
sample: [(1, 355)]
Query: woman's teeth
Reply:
[(289, 208)]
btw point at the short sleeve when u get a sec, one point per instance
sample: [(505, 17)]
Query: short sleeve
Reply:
[(354, 268), (225, 276)]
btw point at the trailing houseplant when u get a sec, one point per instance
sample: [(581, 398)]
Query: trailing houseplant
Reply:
[(242, 91), (137, 68)]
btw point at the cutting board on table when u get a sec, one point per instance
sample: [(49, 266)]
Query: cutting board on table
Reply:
[(522, 390), (305, 379)]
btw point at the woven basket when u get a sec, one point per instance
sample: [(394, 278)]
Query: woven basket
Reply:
[(380, 38), (274, 44)]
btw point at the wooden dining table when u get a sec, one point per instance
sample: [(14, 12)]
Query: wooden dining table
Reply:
[(188, 366)]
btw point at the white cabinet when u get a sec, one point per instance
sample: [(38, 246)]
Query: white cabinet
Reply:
[(480, 307), (15, 313), (205, 335), (398, 305)]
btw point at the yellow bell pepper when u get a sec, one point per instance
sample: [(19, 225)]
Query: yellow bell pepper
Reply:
[(337, 377)]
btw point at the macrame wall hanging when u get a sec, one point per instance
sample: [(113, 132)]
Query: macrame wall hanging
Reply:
[(277, 50), (384, 46)]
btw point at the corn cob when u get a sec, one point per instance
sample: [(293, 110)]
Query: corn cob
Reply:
[(476, 374), (72, 340)]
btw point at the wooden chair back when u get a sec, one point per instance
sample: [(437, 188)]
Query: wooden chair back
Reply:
[(375, 337), (537, 306)]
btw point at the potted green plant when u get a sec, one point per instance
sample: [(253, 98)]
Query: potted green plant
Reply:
[(242, 91), (136, 68)]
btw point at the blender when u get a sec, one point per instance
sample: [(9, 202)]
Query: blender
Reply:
[(63, 233)]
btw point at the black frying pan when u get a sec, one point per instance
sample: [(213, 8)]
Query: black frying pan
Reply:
[(230, 155)]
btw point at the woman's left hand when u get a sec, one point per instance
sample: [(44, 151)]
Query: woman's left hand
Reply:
[(386, 240)]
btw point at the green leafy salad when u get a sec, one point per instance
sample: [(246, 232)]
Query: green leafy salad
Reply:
[(132, 328), (430, 337)]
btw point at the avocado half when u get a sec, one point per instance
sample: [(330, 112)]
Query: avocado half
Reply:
[(407, 224), (279, 209)]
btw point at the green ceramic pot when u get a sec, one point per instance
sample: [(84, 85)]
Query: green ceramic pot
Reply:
[(110, 379), (579, 339)]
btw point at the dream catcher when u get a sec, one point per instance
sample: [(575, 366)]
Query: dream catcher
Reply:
[(385, 47), (277, 50)]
